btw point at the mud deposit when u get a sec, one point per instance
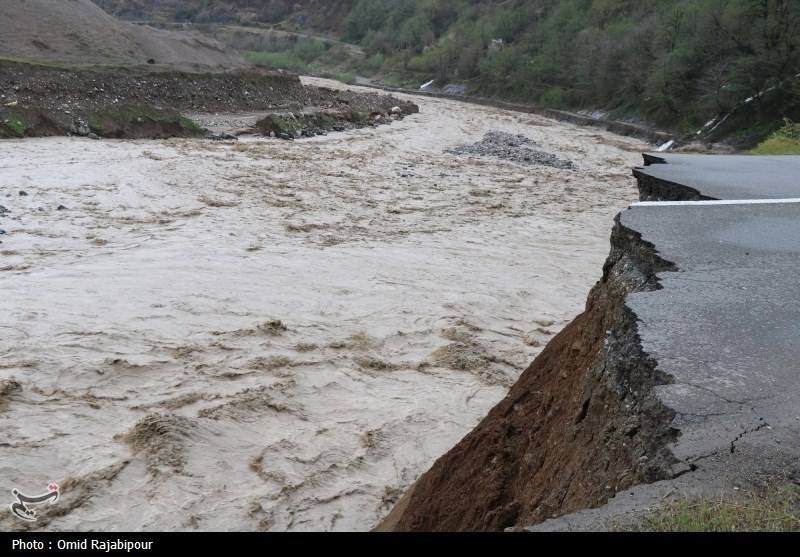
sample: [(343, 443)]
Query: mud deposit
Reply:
[(270, 335)]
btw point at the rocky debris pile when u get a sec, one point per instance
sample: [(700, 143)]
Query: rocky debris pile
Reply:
[(516, 148), (64, 89), (78, 126), (290, 125), (362, 103)]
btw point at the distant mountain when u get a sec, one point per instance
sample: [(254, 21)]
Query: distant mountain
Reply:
[(79, 33)]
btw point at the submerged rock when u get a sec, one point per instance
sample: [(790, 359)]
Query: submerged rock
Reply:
[(222, 137)]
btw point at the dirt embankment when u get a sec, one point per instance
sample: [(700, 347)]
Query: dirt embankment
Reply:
[(41, 101), (581, 423)]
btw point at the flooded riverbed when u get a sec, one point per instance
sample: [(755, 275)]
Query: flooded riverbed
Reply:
[(279, 335)]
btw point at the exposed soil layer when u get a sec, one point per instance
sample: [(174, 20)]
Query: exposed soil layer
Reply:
[(655, 189), (42, 101), (579, 425)]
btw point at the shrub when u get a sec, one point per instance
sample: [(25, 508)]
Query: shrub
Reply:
[(784, 141)]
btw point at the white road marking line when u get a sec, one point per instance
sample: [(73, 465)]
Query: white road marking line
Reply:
[(714, 202)]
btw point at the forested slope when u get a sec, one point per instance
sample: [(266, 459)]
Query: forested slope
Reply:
[(676, 63)]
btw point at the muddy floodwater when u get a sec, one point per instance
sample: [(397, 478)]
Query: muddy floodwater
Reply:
[(279, 335)]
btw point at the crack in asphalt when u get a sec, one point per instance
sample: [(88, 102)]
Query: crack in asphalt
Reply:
[(728, 400), (762, 425), (711, 414), (691, 462)]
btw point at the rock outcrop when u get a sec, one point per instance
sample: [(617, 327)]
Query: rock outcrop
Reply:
[(332, 110)]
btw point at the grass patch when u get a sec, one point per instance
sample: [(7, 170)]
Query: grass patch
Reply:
[(283, 60), (94, 121), (17, 124), (777, 509), (777, 146), (348, 78), (134, 121), (785, 141), (189, 125)]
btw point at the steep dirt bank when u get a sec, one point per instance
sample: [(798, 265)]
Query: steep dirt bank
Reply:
[(78, 33), (579, 425), (42, 101), (126, 121), (61, 88)]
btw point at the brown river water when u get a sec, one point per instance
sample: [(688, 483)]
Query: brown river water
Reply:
[(271, 335)]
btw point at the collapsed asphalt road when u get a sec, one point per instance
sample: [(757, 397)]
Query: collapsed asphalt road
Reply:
[(725, 326)]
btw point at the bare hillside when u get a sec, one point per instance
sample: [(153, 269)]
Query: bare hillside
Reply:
[(79, 33)]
